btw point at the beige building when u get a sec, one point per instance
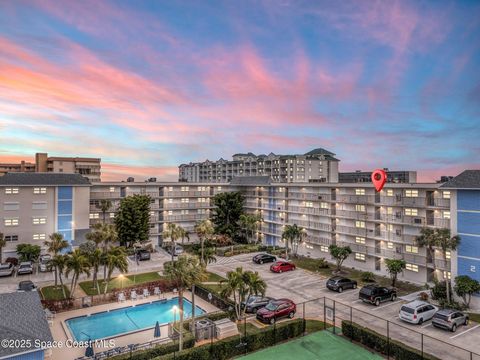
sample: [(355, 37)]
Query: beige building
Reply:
[(35, 205), (88, 167), (318, 165)]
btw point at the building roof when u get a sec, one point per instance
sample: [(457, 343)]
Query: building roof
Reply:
[(251, 180), (23, 318), (31, 179), (469, 179), (83, 159), (319, 151)]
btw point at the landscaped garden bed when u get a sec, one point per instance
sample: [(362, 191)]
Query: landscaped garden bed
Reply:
[(119, 282), (54, 292)]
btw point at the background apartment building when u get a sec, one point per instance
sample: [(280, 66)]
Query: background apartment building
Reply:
[(365, 176), (318, 165), (35, 205), (87, 167)]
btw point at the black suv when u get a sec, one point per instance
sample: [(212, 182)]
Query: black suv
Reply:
[(255, 302), (376, 294), (143, 255), (339, 283), (264, 258)]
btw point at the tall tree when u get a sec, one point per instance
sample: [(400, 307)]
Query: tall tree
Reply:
[(96, 258), (204, 230), (254, 284), (446, 243), (229, 206), (104, 236), (28, 252), (292, 234), (116, 258), (340, 254), (249, 223), (172, 232), (427, 239), (132, 220), (185, 272), (3, 243), (395, 267), (104, 206), (59, 262), (183, 233), (76, 264), (465, 287)]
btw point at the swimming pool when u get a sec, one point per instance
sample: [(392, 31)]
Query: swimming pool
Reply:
[(128, 319)]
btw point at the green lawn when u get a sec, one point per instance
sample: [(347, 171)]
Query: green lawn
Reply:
[(118, 283), (213, 288), (319, 345), (474, 317), (214, 277), (54, 293)]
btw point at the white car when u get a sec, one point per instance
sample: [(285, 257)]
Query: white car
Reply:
[(25, 267), (416, 312), (45, 262)]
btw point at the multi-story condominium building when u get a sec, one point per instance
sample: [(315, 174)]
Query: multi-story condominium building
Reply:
[(318, 165), (35, 205), (365, 176), (88, 167)]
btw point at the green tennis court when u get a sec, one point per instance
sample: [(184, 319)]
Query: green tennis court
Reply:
[(319, 345)]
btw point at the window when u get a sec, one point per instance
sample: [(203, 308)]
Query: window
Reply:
[(10, 191), (359, 191), (39, 236), (324, 205), (389, 192), (11, 222), (10, 206), (11, 237), (202, 200), (446, 214), (170, 201), (202, 188), (390, 227), (359, 240), (94, 216), (112, 188), (360, 256), (448, 255), (152, 213), (184, 188), (170, 212), (446, 194), (447, 275), (40, 190), (411, 249), (324, 248), (411, 193), (308, 204), (389, 245), (360, 208), (170, 188), (185, 200), (389, 211), (360, 224), (411, 212), (112, 215), (219, 188), (411, 267), (184, 212), (201, 211)]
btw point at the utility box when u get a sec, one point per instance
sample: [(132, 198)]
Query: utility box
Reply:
[(204, 329), (225, 328)]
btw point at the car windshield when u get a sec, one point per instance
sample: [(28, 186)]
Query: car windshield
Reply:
[(24, 265), (271, 306), (408, 310), (251, 299)]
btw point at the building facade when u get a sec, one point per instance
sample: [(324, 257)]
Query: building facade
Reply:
[(365, 176), (318, 165), (87, 167), (35, 205)]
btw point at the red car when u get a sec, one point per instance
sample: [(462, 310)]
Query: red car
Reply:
[(281, 266), (277, 309)]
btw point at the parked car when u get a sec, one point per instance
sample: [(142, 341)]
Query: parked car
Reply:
[(25, 267), (277, 309), (416, 312), (264, 258), (375, 294), (255, 303), (26, 286), (143, 255), (449, 319), (282, 266), (45, 263), (177, 251), (6, 269), (339, 283)]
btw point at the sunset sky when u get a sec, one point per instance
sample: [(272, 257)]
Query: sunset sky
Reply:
[(147, 85)]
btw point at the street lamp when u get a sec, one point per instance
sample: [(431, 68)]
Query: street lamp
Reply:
[(121, 280), (174, 314)]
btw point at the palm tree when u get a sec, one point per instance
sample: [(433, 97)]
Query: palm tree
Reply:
[(183, 234), (249, 224), (59, 262), (103, 235), (254, 285), (235, 286), (292, 234), (209, 255), (96, 258), (116, 258), (447, 243), (55, 245), (204, 230), (185, 272), (172, 233), (3, 243), (427, 240), (104, 206), (76, 263)]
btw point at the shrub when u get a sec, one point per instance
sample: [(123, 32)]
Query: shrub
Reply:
[(439, 291), (451, 305), (12, 260), (367, 276), (423, 296), (381, 344)]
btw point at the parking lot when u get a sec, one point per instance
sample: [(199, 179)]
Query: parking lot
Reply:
[(301, 286)]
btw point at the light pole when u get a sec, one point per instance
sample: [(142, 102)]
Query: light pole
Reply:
[(174, 314), (121, 280)]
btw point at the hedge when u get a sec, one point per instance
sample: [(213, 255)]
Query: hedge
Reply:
[(380, 343), (228, 348)]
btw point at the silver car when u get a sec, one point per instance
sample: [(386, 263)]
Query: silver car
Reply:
[(6, 269), (45, 263), (449, 319), (416, 312), (25, 267)]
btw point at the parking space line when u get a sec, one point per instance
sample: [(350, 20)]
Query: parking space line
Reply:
[(425, 326), (357, 301), (384, 306), (464, 332)]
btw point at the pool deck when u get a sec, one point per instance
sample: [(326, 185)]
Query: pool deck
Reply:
[(61, 333)]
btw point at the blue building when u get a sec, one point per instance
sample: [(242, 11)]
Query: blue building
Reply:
[(465, 210)]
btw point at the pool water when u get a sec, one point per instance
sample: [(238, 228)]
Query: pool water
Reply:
[(133, 318)]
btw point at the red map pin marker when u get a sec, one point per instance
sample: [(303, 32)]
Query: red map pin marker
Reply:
[(379, 177)]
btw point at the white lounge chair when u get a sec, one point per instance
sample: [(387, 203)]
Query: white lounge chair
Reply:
[(157, 291), (146, 293), (133, 295), (121, 297), (175, 291)]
